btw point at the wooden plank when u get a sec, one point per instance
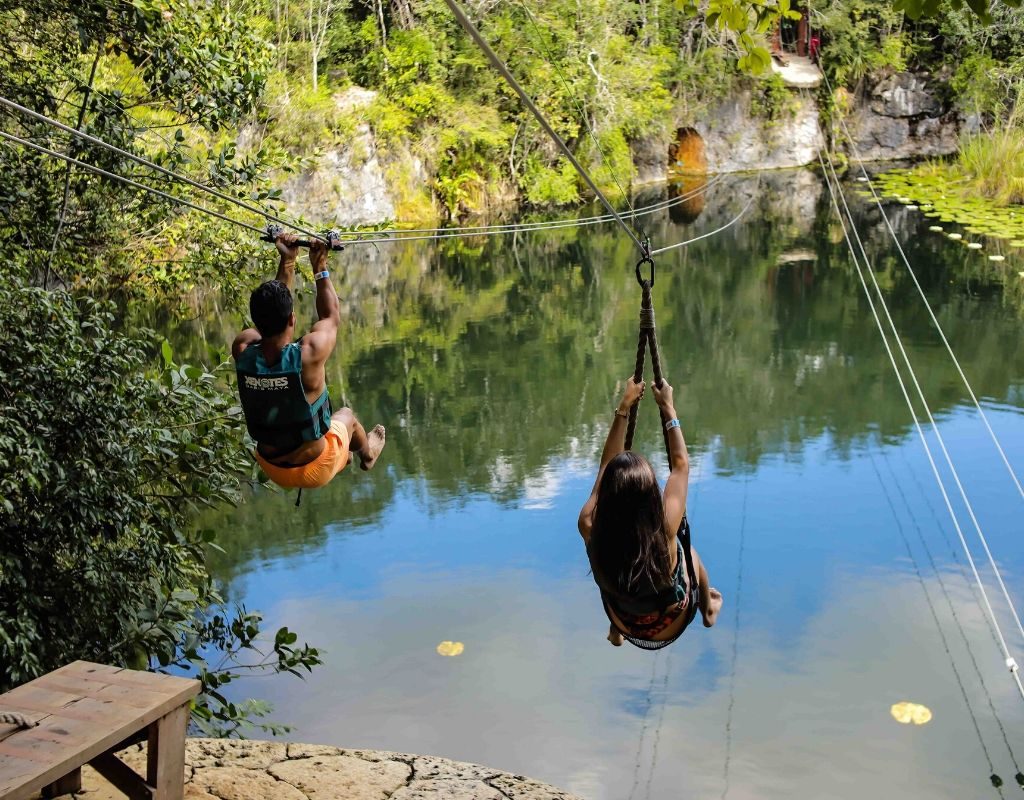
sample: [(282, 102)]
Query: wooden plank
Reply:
[(10, 730), (95, 716), (69, 784), (151, 681), (13, 771), (133, 696), (165, 755), (103, 738), (36, 698), (103, 713)]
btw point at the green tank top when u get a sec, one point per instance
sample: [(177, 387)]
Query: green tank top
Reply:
[(277, 413)]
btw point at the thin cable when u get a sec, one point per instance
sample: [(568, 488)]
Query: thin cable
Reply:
[(735, 643), (128, 181), (945, 593), (515, 229), (731, 222), (540, 225), (575, 102), (499, 65), (935, 615), (67, 175), (927, 305), (345, 233), (917, 424), (644, 726), (151, 165), (931, 419), (692, 503), (374, 241)]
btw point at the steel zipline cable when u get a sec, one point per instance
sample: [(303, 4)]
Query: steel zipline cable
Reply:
[(135, 184), (10, 104), (1010, 662), (365, 237), (927, 305), (931, 419), (503, 70)]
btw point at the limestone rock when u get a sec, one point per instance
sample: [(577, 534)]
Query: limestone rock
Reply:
[(448, 788), (429, 767), (736, 141), (876, 133), (239, 783), (331, 777), (516, 787), (245, 753), (905, 94), (311, 750)]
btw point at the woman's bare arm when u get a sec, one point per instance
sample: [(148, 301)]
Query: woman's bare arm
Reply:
[(614, 444), (678, 460)]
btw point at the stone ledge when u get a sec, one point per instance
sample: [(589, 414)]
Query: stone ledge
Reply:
[(232, 769)]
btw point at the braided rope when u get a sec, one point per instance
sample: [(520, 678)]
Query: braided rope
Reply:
[(648, 338), (14, 718), (646, 321)]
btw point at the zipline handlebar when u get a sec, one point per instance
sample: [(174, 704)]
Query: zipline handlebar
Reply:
[(331, 238)]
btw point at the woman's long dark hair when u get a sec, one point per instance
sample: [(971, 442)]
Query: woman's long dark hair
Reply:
[(628, 550)]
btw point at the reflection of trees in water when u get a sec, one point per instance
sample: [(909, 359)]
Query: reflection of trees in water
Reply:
[(491, 359)]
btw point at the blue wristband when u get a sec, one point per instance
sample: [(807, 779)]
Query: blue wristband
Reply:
[(672, 423), (318, 275)]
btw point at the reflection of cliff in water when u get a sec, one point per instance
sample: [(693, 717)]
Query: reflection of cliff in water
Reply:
[(489, 359)]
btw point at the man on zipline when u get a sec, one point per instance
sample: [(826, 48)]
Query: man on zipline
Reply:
[(282, 383)]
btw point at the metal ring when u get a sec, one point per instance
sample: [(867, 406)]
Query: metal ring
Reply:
[(640, 263)]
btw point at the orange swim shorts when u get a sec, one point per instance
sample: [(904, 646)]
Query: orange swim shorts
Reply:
[(318, 472)]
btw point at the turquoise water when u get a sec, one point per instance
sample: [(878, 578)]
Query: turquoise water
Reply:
[(494, 364)]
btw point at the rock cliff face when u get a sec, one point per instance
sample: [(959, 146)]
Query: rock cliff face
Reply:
[(902, 115), (905, 116), (351, 184)]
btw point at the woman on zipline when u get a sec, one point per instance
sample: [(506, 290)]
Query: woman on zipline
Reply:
[(638, 539)]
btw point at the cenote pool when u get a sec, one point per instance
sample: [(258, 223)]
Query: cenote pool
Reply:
[(493, 363)]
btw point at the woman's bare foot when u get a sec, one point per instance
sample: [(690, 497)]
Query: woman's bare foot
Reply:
[(614, 636), (714, 605), (374, 444)]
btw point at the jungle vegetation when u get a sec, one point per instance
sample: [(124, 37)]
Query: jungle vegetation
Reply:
[(108, 447)]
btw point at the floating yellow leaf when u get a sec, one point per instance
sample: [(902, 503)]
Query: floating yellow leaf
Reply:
[(910, 712), (450, 648)]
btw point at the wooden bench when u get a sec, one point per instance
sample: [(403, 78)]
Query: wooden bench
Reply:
[(85, 713)]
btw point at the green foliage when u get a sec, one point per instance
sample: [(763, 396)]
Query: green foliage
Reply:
[(995, 164), (550, 186), (772, 100), (106, 459), (861, 37), (210, 60)]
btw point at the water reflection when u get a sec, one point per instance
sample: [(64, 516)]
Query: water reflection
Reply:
[(493, 362)]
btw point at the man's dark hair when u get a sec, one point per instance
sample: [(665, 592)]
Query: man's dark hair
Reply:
[(270, 306)]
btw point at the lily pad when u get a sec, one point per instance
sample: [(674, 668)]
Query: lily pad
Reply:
[(974, 245), (935, 228), (956, 237), (997, 258)]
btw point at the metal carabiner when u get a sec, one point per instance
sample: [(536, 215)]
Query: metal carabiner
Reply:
[(640, 263)]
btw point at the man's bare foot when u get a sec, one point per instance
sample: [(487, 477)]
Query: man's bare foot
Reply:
[(714, 605), (614, 637), (374, 444)]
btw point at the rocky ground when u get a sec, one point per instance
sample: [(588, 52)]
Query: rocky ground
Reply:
[(229, 769)]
